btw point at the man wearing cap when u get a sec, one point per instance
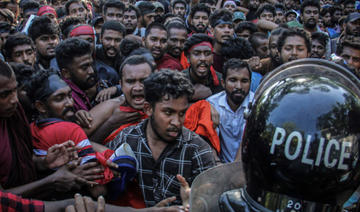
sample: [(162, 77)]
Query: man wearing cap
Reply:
[(238, 17), (199, 51), (291, 15), (230, 6), (352, 28), (159, 8)]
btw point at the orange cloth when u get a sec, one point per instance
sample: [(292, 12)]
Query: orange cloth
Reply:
[(116, 132), (198, 120)]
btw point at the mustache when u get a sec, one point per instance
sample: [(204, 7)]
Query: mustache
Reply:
[(202, 63), (238, 91), (68, 109)]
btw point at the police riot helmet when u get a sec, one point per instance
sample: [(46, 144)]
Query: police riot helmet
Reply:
[(301, 143)]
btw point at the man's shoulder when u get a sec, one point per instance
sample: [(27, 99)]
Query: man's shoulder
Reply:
[(214, 99), (132, 135)]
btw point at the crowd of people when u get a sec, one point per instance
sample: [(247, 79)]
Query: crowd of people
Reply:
[(131, 100)]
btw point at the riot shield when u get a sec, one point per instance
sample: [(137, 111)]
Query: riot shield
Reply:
[(210, 184)]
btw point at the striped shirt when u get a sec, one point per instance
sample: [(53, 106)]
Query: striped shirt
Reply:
[(188, 156)]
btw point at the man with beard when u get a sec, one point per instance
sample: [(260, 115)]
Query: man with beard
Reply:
[(199, 19), (309, 13), (177, 37), (222, 28), (51, 97), (110, 117), (113, 10), (198, 50), (170, 156), (46, 37), (147, 11), (280, 14), (20, 48), (112, 33), (318, 45), (231, 104), (329, 22), (156, 37), (252, 6), (178, 8), (293, 44), (75, 61), (77, 8), (131, 16)]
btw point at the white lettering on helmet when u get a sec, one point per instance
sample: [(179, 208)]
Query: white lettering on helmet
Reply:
[(334, 155)]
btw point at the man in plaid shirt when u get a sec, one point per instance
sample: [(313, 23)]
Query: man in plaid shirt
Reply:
[(163, 147)]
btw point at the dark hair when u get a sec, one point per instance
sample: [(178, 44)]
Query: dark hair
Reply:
[(154, 25), (140, 51), (211, 2), (199, 7), (14, 40), (113, 25), (293, 32), (237, 48), (23, 74), (246, 25), (321, 37), (70, 48), (145, 7), (278, 31), (133, 8), (195, 39), (42, 26), (5, 69), (6, 27), (134, 60), (67, 5), (37, 82), (113, 4), (307, 3), (167, 83), (30, 5), (265, 7), (325, 10), (254, 38), (173, 2), (349, 2), (60, 11), (235, 63), (67, 24), (221, 14), (175, 25), (127, 45), (280, 7)]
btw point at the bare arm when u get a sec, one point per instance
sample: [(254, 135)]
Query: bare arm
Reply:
[(266, 25), (101, 112)]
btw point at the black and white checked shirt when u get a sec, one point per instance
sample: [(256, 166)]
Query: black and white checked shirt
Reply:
[(189, 156)]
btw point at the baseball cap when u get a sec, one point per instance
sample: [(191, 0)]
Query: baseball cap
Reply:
[(352, 17), (239, 15)]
